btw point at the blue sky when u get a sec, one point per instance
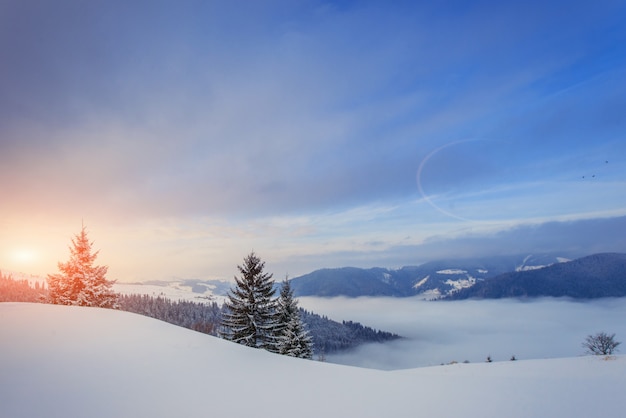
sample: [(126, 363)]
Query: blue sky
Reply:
[(318, 134)]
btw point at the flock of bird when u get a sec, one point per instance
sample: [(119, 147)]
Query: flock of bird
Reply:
[(593, 176)]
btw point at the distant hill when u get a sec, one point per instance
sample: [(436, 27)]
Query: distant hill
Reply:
[(594, 276), (430, 280), (192, 290)]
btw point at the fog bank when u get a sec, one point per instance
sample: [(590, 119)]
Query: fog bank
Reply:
[(441, 332)]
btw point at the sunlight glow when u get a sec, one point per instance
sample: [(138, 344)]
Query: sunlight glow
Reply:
[(24, 256)]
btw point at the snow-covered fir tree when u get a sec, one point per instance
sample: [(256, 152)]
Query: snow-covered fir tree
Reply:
[(250, 309), (293, 339), (80, 282)]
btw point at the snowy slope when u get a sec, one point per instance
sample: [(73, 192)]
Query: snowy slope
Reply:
[(69, 362)]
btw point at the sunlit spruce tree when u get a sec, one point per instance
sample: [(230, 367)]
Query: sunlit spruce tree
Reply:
[(250, 310), (293, 339), (80, 282)]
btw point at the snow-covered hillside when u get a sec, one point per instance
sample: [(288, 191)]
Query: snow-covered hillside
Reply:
[(60, 361)]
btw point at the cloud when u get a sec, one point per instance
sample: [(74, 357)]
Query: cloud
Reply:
[(278, 112), (311, 115), (441, 332), (567, 238)]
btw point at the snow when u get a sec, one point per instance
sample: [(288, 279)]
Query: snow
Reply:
[(525, 267), (421, 282), (461, 283), (528, 268), (65, 361), (452, 271), (430, 294)]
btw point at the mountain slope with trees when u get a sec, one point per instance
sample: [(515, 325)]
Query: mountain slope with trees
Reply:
[(327, 336), (594, 276)]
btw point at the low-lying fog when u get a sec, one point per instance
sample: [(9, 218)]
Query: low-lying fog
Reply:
[(441, 332)]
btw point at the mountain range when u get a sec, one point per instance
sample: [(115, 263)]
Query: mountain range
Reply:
[(522, 275), (600, 275), (594, 276)]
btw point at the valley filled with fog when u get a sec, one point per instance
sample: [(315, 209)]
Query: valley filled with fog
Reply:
[(442, 332)]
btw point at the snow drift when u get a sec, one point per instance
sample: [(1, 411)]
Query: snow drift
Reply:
[(60, 361)]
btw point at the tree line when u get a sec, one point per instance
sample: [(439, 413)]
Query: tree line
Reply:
[(199, 317), (20, 290)]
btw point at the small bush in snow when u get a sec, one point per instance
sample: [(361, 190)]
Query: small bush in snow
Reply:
[(600, 344)]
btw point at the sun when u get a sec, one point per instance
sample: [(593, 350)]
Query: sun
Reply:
[(23, 256)]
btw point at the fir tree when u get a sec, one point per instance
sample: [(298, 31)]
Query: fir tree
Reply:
[(250, 310), (293, 339), (80, 281)]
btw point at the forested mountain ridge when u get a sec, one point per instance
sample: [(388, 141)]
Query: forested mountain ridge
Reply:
[(432, 279), (594, 276)]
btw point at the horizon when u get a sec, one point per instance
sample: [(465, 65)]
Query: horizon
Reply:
[(317, 134), (564, 256)]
